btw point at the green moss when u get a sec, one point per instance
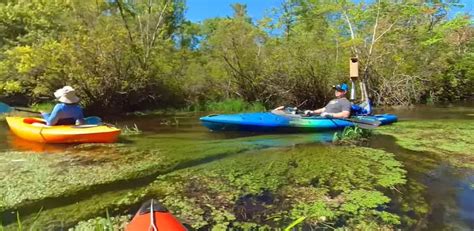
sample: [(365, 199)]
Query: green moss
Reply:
[(452, 139)]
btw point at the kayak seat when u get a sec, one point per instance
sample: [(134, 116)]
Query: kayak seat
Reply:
[(361, 109)]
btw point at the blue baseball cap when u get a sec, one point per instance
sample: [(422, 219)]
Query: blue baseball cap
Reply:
[(341, 87)]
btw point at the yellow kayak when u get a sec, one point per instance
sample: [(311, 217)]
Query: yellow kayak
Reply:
[(35, 129)]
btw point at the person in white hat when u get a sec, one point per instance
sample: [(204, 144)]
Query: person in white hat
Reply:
[(67, 111)]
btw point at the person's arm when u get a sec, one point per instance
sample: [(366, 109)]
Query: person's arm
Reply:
[(317, 111), (279, 108), (80, 117), (52, 118)]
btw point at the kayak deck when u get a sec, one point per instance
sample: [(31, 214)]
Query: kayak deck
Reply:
[(270, 122)]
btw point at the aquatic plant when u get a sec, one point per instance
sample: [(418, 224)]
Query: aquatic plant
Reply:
[(133, 130), (107, 223), (452, 140), (352, 136), (80, 168), (329, 186)]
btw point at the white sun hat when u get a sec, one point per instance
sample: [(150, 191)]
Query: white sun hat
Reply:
[(67, 94)]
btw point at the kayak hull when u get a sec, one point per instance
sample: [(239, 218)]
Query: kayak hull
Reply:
[(38, 132), (270, 122), (162, 219)]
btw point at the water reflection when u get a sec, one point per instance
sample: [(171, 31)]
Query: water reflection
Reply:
[(291, 140), (466, 200), (18, 144)]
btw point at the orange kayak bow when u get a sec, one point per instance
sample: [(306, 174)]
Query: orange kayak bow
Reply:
[(152, 216)]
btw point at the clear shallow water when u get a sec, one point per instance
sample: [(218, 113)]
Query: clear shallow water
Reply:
[(445, 191)]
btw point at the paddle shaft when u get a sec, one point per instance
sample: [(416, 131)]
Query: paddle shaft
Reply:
[(26, 110)]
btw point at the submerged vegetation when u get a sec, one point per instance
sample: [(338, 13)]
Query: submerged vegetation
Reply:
[(276, 187), (451, 139), (266, 189)]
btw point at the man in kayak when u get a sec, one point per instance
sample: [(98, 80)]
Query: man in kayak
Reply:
[(67, 111), (340, 107)]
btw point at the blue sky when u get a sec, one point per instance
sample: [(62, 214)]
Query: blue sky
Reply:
[(198, 10)]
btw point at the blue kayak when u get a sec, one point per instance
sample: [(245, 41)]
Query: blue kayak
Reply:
[(271, 122)]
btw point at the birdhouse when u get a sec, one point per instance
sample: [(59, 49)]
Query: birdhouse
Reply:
[(354, 68)]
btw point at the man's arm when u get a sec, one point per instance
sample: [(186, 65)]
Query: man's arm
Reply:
[(319, 111)]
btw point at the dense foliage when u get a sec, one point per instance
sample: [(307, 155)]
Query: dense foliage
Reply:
[(131, 55)]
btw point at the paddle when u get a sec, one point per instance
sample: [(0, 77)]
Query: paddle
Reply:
[(4, 108)]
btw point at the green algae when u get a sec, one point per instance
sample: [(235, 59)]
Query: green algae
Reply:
[(30, 177), (451, 139), (329, 186)]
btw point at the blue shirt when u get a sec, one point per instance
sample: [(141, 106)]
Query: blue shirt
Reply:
[(64, 114)]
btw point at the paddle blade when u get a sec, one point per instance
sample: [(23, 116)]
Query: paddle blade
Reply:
[(366, 123), (374, 122), (366, 126), (4, 108)]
